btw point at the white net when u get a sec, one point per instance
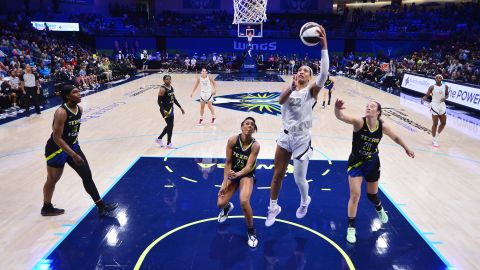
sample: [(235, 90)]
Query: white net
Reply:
[(249, 11)]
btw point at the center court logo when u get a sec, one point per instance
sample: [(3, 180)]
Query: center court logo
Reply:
[(258, 102)]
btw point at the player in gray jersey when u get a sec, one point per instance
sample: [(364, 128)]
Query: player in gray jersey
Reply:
[(295, 139)]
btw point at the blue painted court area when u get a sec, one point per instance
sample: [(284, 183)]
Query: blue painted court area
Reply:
[(167, 220), (249, 77)]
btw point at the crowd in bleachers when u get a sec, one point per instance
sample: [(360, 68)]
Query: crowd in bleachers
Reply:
[(415, 22), (51, 57), (219, 24), (231, 62), (456, 60), (56, 57), (427, 21)]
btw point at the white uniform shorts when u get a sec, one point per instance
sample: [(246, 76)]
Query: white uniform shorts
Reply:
[(438, 108), (206, 96), (299, 144)]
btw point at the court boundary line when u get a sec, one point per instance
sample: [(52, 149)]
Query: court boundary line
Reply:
[(66, 234), (414, 226)]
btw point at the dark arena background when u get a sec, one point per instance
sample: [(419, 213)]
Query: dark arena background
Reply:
[(118, 53)]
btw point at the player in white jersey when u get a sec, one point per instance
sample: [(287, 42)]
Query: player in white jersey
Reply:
[(295, 139), (439, 93), (208, 89)]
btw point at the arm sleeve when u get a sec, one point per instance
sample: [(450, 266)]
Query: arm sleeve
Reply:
[(160, 104), (324, 66), (176, 102), (159, 101)]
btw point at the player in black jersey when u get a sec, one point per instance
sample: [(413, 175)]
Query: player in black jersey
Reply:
[(62, 147), (364, 161), (166, 99), (328, 88), (240, 164)]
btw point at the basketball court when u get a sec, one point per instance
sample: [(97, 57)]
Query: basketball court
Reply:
[(167, 197)]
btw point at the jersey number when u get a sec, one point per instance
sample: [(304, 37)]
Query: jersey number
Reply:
[(295, 102), (75, 129), (240, 164), (367, 146)]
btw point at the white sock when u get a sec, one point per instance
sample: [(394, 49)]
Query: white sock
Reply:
[(273, 204), (300, 174)]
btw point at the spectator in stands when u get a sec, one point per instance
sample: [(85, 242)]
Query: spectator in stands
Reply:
[(44, 71), (83, 79), (144, 58), (31, 89), (105, 67), (186, 63), (390, 76), (193, 64), (7, 98)]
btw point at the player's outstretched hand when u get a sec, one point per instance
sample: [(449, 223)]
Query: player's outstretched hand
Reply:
[(339, 104), (322, 35)]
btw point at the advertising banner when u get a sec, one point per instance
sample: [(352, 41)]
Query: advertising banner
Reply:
[(466, 95), (56, 26), (265, 46)]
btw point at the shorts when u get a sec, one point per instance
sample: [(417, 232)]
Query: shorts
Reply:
[(250, 174), (206, 96), (299, 144), (369, 169), (329, 87), (170, 113), (57, 158), (438, 108)]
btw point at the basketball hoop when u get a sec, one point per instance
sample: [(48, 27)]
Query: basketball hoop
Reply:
[(249, 11)]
